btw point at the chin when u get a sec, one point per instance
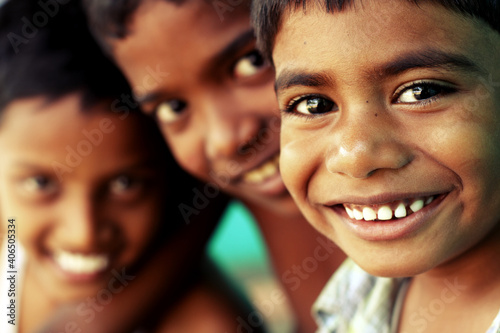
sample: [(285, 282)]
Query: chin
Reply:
[(390, 269)]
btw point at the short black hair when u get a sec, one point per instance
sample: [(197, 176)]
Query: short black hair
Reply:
[(267, 14), (109, 19), (53, 55), (63, 58)]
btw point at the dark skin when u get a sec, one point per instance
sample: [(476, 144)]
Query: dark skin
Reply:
[(163, 273), (93, 198), (390, 112), (217, 109)]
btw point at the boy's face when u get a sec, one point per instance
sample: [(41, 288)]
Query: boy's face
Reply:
[(83, 190), (393, 114), (194, 66)]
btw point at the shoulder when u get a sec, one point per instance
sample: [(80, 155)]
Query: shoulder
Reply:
[(344, 290), (355, 301)]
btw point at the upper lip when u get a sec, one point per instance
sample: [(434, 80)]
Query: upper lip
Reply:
[(381, 198)]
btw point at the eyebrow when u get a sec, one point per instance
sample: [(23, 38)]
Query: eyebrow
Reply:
[(289, 79), (228, 52), (28, 166), (428, 59), (216, 60)]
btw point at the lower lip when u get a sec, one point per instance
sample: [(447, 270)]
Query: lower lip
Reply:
[(392, 229)]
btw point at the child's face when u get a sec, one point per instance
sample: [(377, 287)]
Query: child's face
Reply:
[(393, 110), (213, 94), (99, 216)]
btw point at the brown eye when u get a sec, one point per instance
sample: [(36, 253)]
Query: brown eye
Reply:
[(250, 64), (38, 184), (421, 91), (314, 105), (38, 187), (170, 111), (122, 184)]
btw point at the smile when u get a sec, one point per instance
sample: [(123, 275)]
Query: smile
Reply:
[(77, 263), (396, 209), (265, 171), (393, 219)]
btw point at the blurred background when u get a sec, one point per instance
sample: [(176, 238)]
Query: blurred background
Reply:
[(239, 250)]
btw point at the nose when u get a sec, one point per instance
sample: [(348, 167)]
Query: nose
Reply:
[(82, 226), (366, 141), (230, 126)]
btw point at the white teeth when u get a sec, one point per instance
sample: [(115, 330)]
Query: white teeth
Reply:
[(81, 264), (369, 214), (384, 213), (349, 212), (263, 172), (357, 214), (400, 211), (417, 205)]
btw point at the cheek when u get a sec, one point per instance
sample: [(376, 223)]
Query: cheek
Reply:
[(187, 149), (29, 227), (299, 161), (140, 224), (469, 146)]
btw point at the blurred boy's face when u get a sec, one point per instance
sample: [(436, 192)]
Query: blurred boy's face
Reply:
[(84, 192), (391, 134), (194, 66)]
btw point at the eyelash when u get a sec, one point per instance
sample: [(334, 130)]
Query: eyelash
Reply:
[(444, 90), (289, 111)]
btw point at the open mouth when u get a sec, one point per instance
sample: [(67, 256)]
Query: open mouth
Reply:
[(388, 211), (265, 171), (81, 264)]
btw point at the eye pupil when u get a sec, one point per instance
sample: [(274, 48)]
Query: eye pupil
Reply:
[(41, 181), (256, 58), (121, 183), (425, 92), (38, 184), (319, 105), (177, 105)]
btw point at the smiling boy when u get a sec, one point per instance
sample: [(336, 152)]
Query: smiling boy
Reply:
[(215, 104), (94, 193), (85, 229), (390, 147)]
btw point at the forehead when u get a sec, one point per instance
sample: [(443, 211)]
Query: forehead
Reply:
[(38, 133), (178, 37), (372, 31)]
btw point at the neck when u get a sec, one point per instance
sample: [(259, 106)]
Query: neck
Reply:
[(477, 268), (469, 284), (302, 258)]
